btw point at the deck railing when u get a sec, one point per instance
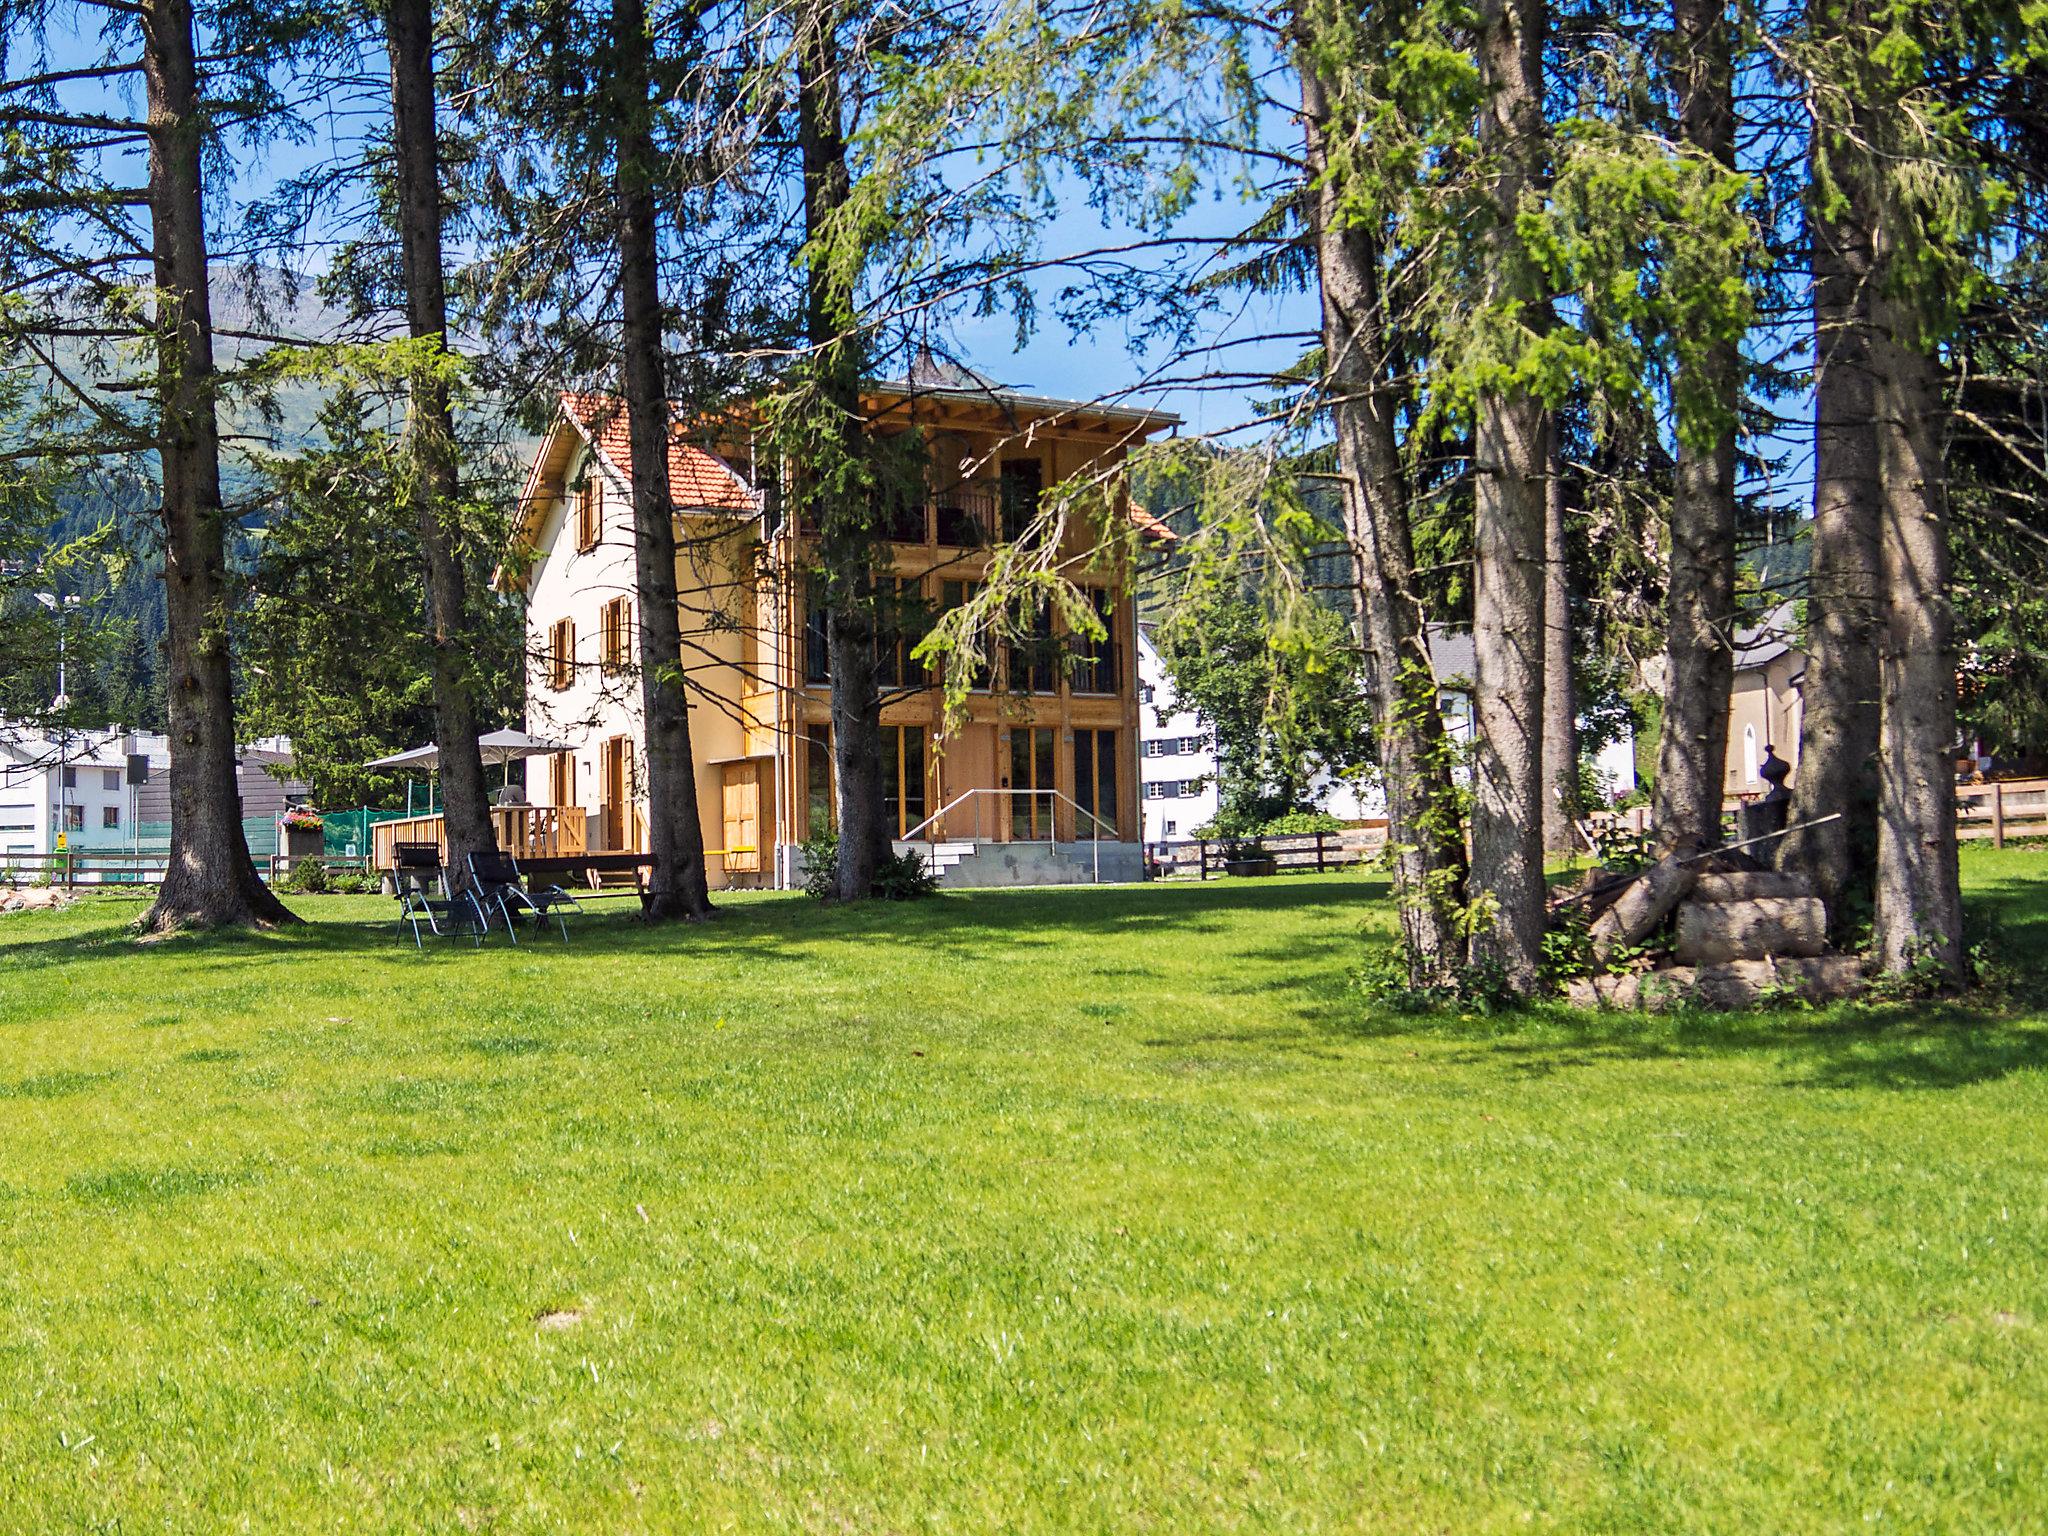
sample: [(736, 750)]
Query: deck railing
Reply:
[(524, 831)]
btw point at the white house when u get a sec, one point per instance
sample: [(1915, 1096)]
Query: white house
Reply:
[(109, 791), (85, 787), (1178, 763)]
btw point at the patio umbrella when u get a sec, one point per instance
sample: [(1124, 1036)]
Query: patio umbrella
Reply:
[(498, 747)]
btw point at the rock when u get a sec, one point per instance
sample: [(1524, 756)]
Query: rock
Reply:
[(1711, 932), (1743, 983), (1618, 992), (1748, 887), (1640, 908)]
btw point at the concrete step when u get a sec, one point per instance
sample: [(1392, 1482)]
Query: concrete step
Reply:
[(1747, 887), (1713, 932)]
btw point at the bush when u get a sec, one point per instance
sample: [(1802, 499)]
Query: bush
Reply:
[(308, 878), (821, 853), (905, 877), (901, 877), (1302, 824)]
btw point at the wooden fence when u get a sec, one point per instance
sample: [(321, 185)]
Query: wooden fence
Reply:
[(1202, 857)]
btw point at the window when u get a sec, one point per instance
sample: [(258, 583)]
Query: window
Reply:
[(1189, 744), (817, 636), (1023, 480), (110, 816), (74, 818), (70, 778), (1749, 760), (110, 780), (906, 621), (903, 777), (963, 516), (562, 779), (1172, 829), (818, 778), (955, 594), (1145, 693), (1095, 782), (1034, 660), (561, 653), (1031, 770), (1095, 669), (589, 510), (616, 648)]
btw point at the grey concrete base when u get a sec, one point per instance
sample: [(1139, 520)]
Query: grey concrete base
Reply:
[(964, 866), (1000, 864)]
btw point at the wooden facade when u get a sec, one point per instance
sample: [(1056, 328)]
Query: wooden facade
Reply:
[(1049, 749)]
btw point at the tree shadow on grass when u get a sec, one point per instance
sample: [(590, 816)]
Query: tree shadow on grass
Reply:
[(973, 924), (1901, 1046)]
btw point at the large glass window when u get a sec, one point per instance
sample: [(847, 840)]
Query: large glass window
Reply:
[(1034, 660), (904, 776), (954, 594), (818, 780), (1031, 772), (817, 646), (906, 619), (1095, 782), (1095, 668), (1023, 481)]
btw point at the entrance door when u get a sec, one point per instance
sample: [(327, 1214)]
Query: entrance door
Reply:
[(970, 763), (615, 800), (743, 818)]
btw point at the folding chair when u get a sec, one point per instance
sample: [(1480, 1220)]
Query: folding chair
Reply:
[(419, 875), (495, 882)]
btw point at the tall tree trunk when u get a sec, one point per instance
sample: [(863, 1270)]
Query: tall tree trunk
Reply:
[(1415, 754), (1560, 697), (1507, 575), (1919, 907), (848, 542), (677, 886), (430, 432), (1837, 768), (1699, 656), (210, 880)]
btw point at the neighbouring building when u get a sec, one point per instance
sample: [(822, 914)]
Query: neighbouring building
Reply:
[(1048, 753), (1764, 710), (108, 791), (1179, 760)]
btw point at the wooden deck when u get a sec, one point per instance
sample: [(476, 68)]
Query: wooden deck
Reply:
[(524, 831)]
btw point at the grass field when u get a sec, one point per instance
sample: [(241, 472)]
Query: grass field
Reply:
[(1022, 1211)]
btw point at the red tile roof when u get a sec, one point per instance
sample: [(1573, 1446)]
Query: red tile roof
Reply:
[(696, 479)]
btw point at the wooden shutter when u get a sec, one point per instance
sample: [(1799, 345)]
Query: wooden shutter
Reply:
[(562, 653), (589, 510), (742, 818)]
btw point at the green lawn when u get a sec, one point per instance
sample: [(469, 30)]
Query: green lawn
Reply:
[(1021, 1211)]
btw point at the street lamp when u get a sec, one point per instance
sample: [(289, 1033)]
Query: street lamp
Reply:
[(61, 606)]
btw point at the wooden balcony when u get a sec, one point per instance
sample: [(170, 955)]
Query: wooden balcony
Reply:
[(524, 831)]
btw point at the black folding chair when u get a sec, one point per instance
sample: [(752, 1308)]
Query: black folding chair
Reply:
[(495, 882), (419, 876)]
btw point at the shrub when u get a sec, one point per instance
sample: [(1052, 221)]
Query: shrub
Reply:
[(308, 878), (1302, 824), (900, 877), (905, 877), (821, 853)]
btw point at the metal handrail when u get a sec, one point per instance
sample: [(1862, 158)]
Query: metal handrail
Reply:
[(1094, 842)]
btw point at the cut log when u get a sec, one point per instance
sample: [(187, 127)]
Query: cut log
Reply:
[(1743, 983), (1639, 909), (1711, 932), (1748, 887)]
